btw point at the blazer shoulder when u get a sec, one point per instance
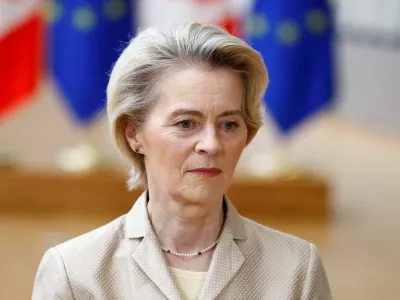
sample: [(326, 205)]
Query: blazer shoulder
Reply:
[(275, 241), (78, 263), (95, 241)]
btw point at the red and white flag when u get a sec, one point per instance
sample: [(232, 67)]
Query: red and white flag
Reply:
[(21, 48), (160, 13)]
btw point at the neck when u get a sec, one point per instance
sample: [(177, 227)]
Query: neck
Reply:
[(184, 226)]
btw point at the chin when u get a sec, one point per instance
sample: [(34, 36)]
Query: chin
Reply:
[(202, 193)]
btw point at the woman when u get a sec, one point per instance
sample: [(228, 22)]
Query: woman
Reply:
[(183, 104)]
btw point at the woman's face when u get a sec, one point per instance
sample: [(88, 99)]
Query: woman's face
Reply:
[(194, 134)]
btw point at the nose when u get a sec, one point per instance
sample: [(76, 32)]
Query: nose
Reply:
[(208, 142)]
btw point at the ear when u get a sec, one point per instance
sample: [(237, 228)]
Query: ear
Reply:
[(131, 136)]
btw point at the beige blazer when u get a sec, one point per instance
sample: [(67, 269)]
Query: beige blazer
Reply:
[(123, 260)]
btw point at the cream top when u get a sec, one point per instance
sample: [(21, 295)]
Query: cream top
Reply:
[(189, 283)]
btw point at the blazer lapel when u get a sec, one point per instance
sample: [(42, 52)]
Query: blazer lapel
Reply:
[(150, 259), (227, 258), (148, 254)]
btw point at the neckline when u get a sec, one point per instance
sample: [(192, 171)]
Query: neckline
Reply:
[(180, 273)]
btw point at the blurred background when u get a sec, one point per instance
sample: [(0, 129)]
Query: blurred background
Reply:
[(325, 166)]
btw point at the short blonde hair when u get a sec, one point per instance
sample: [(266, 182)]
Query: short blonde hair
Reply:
[(131, 90)]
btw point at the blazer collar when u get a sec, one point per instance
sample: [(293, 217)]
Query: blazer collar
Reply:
[(226, 261), (227, 258), (137, 221), (147, 254)]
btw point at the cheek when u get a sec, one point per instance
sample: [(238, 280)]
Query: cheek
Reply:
[(234, 149), (234, 156), (166, 149), (156, 138)]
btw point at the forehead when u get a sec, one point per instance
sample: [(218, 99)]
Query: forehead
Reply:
[(200, 89)]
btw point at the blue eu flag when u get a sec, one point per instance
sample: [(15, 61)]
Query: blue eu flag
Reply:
[(85, 38), (295, 39)]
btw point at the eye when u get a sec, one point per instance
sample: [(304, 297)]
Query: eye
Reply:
[(229, 125), (186, 124)]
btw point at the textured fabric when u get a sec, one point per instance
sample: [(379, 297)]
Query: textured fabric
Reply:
[(189, 283), (123, 260)]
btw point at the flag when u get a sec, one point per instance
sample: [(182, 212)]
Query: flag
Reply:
[(295, 39), (85, 39), (21, 37), (161, 13)]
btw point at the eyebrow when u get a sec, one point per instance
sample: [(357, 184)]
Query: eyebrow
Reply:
[(200, 114)]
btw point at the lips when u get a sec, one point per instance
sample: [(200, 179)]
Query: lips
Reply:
[(206, 172)]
